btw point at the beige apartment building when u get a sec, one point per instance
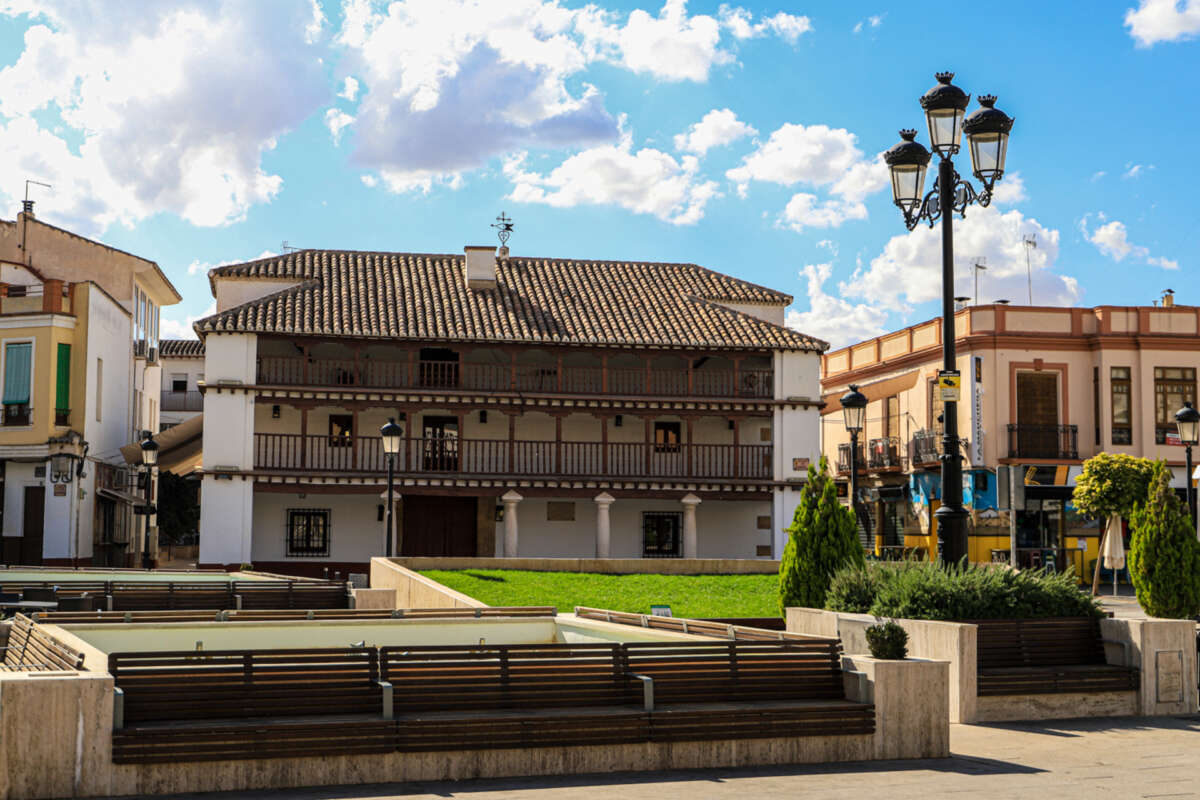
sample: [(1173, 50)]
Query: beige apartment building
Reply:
[(1042, 388)]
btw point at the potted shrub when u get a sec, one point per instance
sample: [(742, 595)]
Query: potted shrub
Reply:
[(887, 641)]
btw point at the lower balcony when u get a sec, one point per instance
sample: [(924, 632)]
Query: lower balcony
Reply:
[(884, 453), (1043, 441), (323, 454), (925, 448)]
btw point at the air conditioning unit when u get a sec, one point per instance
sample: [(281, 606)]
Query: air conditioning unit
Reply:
[(139, 349), (152, 355)]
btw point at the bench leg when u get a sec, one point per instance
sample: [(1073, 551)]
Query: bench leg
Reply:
[(387, 699), (118, 709), (647, 691)]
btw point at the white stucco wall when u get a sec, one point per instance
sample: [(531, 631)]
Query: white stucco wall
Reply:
[(235, 292), (775, 314), (229, 358), (797, 434), (355, 534), (226, 515)]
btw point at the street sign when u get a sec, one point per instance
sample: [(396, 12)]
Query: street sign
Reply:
[(950, 383), (1173, 439)]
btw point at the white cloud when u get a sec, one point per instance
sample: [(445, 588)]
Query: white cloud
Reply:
[(1112, 239), (337, 121), (1098, 175), (672, 46), (875, 20), (174, 329), (908, 271), (1163, 21), (817, 156), (807, 211), (741, 24), (828, 244), (717, 128), (1010, 190), (349, 90), (134, 88), (647, 181), (835, 319), (1136, 170)]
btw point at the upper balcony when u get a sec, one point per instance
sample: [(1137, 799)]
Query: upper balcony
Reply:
[(742, 382), (53, 296), (191, 400), (883, 454), (1043, 441), (286, 452)]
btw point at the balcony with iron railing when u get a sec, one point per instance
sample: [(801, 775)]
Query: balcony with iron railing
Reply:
[(843, 459), (751, 383), (1043, 441), (884, 453), (289, 452), (181, 401), (925, 448)]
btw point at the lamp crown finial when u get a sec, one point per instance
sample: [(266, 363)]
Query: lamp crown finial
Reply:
[(987, 100), (908, 134), (944, 77)]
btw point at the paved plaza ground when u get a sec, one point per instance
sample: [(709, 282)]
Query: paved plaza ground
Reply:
[(1119, 758)]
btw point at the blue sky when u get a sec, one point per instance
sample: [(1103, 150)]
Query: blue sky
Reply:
[(744, 137)]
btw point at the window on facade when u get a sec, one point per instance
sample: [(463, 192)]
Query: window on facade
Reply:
[(1172, 387), (666, 437), (179, 382), (661, 534), (307, 532), (1096, 401), (341, 430), (891, 416), (936, 406), (99, 388), (18, 375), (62, 388), (1122, 417)]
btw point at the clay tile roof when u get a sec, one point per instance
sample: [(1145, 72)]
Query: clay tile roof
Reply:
[(181, 348), (535, 300)]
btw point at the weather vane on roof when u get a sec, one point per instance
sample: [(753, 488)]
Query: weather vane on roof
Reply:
[(504, 228)]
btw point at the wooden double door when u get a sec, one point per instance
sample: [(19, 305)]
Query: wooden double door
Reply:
[(439, 526), (26, 549)]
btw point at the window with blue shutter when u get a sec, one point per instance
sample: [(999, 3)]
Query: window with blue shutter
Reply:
[(18, 374)]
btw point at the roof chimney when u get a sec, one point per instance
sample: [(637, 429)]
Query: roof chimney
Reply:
[(1168, 298), (479, 269), (27, 207)]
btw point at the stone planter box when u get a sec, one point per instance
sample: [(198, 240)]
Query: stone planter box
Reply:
[(1164, 651)]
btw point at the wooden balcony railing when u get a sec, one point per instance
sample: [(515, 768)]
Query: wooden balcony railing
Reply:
[(294, 452), (377, 374), (1043, 441), (182, 401)]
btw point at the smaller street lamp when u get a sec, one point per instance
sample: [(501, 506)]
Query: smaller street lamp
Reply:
[(854, 409), (1187, 421), (149, 459), (391, 433)]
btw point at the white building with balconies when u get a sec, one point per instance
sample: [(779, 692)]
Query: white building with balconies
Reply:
[(550, 407)]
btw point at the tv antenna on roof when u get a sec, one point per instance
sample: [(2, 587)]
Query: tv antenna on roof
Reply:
[(504, 228), (980, 265), (1030, 242), (286, 248), (27, 204)]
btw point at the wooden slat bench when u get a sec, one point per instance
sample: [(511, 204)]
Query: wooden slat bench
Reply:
[(134, 595), (238, 684), (1047, 656), (30, 649), (172, 744), (285, 615)]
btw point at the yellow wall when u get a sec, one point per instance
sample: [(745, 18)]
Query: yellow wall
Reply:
[(46, 339)]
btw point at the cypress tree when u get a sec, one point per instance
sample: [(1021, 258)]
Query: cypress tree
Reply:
[(821, 540), (1164, 554)]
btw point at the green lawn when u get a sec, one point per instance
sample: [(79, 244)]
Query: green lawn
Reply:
[(696, 596)]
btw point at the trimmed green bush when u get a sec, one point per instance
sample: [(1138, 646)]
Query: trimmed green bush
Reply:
[(1164, 555), (922, 590), (887, 641), (821, 540), (1112, 483)]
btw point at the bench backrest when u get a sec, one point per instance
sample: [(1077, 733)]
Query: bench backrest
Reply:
[(736, 671), (1058, 641), (241, 683), (30, 649), (428, 678), (291, 594)]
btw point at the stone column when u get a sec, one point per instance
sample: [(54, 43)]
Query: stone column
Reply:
[(690, 501), (603, 529), (510, 500)]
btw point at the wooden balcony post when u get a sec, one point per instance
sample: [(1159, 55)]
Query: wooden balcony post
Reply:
[(647, 386), (648, 445), (512, 370), (737, 449), (413, 380), (307, 361), (737, 376), (691, 375), (303, 437), (689, 447), (604, 374), (558, 443), (603, 444), (460, 444), (559, 374), (409, 421), (512, 441), (354, 446)]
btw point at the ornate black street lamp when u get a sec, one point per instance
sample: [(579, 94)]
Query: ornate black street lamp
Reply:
[(854, 409), (987, 132), (149, 459), (1187, 420), (391, 433)]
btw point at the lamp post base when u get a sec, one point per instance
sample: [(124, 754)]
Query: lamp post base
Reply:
[(952, 533)]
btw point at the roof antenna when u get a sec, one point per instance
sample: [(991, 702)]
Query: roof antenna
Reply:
[(1030, 242), (504, 229), (285, 248), (980, 265), (27, 210)]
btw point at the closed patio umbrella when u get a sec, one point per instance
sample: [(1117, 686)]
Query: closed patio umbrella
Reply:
[(1113, 550)]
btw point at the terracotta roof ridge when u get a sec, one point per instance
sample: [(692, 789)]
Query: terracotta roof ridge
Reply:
[(820, 344), (307, 283)]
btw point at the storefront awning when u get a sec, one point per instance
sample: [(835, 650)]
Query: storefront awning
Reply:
[(874, 391), (179, 448)]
